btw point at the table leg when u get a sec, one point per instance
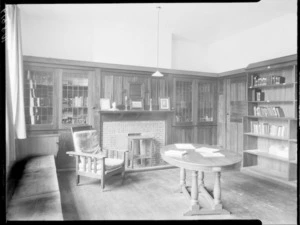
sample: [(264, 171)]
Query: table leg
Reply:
[(201, 176), (195, 208), (194, 191), (182, 181), (217, 189)]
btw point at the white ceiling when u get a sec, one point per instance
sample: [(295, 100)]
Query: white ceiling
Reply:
[(205, 22)]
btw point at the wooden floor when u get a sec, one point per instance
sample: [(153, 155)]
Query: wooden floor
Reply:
[(151, 196)]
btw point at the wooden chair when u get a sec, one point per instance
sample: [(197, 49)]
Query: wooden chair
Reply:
[(91, 160)]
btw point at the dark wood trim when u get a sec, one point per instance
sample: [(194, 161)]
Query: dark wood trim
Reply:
[(231, 73), (270, 62), (67, 62)]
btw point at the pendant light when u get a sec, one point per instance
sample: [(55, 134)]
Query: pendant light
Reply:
[(157, 73)]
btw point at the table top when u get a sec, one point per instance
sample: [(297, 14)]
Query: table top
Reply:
[(195, 161)]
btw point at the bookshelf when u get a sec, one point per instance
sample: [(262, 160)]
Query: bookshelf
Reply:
[(39, 91), (270, 127), (75, 97)]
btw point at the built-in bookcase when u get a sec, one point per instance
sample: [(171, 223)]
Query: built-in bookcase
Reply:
[(39, 91), (75, 87), (56, 98), (270, 129), (183, 101)]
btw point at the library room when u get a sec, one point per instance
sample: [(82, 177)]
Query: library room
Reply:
[(151, 111)]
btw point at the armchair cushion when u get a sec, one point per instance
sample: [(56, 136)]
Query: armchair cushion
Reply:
[(86, 142), (110, 164)]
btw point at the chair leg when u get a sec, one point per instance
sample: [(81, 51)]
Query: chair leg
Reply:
[(102, 184), (77, 179), (123, 176)]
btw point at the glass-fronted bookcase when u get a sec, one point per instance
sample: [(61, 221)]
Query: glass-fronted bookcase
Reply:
[(195, 102), (57, 98)]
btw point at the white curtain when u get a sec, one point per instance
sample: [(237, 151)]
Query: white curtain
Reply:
[(14, 102)]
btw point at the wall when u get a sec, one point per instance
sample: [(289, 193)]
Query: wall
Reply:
[(189, 54), (273, 39), (100, 42), (124, 44)]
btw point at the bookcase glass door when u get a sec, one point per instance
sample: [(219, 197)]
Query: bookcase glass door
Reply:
[(38, 97), (206, 101), (74, 98), (183, 111)]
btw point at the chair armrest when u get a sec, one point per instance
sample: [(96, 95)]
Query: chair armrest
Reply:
[(98, 156), (118, 150)]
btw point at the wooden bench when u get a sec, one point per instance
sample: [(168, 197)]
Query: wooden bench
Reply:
[(36, 195)]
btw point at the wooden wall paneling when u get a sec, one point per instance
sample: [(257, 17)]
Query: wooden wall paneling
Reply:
[(221, 113), (63, 161), (292, 171), (96, 102), (170, 118), (59, 97), (183, 134), (205, 135), (108, 86), (227, 113), (91, 96), (195, 109)]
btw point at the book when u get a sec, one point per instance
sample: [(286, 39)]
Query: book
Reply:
[(279, 111), (205, 149), (184, 146), (211, 154), (175, 153)]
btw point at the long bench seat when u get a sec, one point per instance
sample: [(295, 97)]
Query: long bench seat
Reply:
[(36, 196)]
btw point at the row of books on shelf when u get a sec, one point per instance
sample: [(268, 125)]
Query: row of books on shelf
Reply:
[(257, 95), (39, 120), (255, 80), (33, 111), (34, 93), (268, 111), (75, 102), (267, 129), (40, 101)]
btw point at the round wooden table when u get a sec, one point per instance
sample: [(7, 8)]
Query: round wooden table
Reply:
[(203, 201)]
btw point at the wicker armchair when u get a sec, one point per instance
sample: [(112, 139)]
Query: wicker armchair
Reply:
[(91, 160)]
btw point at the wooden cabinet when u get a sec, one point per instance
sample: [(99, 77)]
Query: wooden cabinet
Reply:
[(76, 100), (183, 98), (195, 102), (270, 128), (39, 96), (57, 98)]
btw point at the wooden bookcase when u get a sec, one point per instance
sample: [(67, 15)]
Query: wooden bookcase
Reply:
[(195, 105), (57, 98), (39, 96), (270, 128)]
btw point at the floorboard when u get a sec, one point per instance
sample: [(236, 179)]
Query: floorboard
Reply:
[(152, 195)]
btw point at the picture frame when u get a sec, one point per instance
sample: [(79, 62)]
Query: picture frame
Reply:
[(136, 104), (104, 103), (164, 103)]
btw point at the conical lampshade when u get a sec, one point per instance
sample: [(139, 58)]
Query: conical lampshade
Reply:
[(157, 74)]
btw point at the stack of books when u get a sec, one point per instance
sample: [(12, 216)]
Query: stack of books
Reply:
[(175, 153), (209, 152)]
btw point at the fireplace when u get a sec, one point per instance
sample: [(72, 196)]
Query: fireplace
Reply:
[(115, 133), (116, 126)]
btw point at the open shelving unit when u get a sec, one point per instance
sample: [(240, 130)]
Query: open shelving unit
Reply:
[(270, 128)]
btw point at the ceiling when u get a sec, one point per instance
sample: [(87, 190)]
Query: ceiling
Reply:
[(205, 22)]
